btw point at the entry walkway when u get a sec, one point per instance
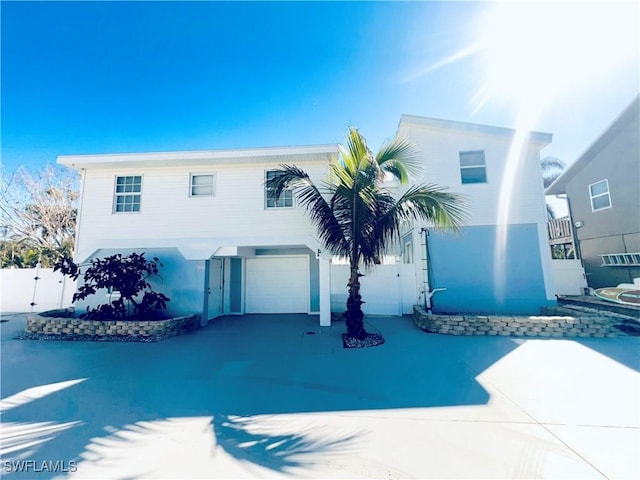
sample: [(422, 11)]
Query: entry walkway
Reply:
[(264, 396)]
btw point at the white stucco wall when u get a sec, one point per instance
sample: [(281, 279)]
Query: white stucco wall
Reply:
[(179, 279)]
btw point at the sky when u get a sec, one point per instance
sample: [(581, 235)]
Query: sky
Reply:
[(105, 77)]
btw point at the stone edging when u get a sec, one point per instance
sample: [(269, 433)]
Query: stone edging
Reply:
[(67, 327), (587, 325)]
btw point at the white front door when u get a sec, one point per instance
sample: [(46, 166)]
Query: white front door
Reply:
[(277, 285), (214, 308)]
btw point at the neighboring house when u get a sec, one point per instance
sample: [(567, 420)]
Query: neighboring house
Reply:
[(228, 247), (603, 195)]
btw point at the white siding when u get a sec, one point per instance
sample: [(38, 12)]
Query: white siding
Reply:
[(236, 215), (440, 149)]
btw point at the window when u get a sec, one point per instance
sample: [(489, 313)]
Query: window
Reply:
[(563, 251), (202, 185), (407, 252), (472, 167), (128, 194), (599, 193), (286, 197)]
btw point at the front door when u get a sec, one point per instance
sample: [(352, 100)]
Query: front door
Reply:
[(214, 308)]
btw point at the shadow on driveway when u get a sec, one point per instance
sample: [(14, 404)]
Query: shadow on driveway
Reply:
[(91, 402)]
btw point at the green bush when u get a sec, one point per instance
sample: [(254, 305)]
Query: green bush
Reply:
[(126, 275)]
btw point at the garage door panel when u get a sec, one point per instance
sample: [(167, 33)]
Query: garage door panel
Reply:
[(277, 285)]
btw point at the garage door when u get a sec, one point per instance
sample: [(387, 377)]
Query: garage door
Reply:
[(277, 285)]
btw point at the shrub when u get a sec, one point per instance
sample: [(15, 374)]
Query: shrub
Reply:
[(126, 275)]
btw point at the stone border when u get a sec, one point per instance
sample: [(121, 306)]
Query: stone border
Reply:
[(585, 325), (62, 325)]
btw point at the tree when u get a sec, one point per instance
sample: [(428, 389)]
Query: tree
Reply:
[(38, 212), (126, 275), (552, 168), (357, 217), (16, 254)]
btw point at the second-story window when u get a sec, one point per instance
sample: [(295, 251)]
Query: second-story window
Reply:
[(202, 185), (286, 197), (128, 194), (473, 168), (599, 193)]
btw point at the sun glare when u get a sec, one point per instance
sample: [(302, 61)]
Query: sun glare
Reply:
[(535, 53), (534, 56)]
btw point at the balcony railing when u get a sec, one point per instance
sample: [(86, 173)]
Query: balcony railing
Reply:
[(560, 230), (561, 238)]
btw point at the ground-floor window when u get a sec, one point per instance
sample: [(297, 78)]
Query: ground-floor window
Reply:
[(563, 251), (407, 252)]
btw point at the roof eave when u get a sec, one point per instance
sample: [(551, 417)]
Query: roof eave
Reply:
[(559, 186), (235, 156), (541, 138)]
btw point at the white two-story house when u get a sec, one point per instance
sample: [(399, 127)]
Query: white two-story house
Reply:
[(225, 244), (228, 247), (500, 261)]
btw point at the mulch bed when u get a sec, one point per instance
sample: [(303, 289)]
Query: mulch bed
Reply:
[(370, 340)]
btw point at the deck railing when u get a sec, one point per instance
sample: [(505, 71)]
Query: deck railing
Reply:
[(560, 230), (561, 238)]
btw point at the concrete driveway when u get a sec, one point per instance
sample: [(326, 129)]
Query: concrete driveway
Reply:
[(256, 396)]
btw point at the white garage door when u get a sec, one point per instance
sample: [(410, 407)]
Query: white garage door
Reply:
[(277, 285)]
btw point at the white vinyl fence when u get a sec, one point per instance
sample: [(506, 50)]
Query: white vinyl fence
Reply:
[(387, 290), (568, 277), (34, 290)]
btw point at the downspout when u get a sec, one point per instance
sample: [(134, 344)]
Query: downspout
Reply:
[(574, 232), (425, 270), (427, 291), (576, 246), (83, 173)]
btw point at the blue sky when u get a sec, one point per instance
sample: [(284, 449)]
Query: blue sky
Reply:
[(105, 77)]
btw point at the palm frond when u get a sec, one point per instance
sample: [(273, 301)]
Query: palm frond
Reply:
[(552, 168), (320, 212), (400, 158), (362, 219), (429, 203), (354, 155), (552, 163)]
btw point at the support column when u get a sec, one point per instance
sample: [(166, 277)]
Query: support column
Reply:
[(325, 291)]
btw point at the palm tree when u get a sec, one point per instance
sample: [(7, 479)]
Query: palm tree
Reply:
[(356, 217), (552, 168)]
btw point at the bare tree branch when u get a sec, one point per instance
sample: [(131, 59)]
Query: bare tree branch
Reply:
[(39, 209)]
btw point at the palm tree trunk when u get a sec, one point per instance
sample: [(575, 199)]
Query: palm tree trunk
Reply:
[(354, 315)]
